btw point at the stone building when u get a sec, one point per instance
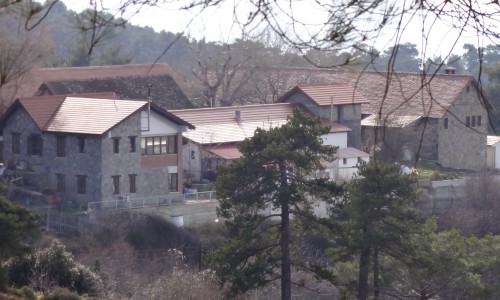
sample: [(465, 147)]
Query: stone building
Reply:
[(443, 118), (339, 103), (214, 141), (91, 149), (157, 82)]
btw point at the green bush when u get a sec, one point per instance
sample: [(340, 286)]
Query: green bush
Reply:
[(24, 293), (61, 294), (53, 266)]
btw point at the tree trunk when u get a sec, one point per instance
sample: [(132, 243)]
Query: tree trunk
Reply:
[(364, 269), (286, 277), (376, 277)]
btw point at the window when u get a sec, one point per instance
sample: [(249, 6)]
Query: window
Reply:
[(60, 183), (159, 145), (192, 154), (445, 123), (467, 121), (344, 160), (81, 184), (479, 121), (35, 144), (81, 144), (132, 144), (473, 123), (116, 145), (172, 182), (16, 143), (116, 184), (467, 88), (131, 183), (60, 146)]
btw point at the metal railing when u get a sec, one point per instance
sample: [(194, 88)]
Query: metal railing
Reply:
[(128, 202)]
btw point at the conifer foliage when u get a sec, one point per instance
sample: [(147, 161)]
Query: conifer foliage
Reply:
[(258, 194)]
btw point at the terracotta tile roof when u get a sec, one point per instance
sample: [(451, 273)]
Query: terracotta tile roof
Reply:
[(405, 95), (164, 90), (220, 124), (335, 93), (388, 121), (32, 80), (335, 127), (350, 153), (91, 116), (77, 115), (492, 140), (226, 151)]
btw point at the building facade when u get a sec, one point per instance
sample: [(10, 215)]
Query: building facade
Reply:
[(88, 149)]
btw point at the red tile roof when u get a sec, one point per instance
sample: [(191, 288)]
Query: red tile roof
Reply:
[(226, 151), (335, 93), (91, 116), (77, 115), (220, 124), (32, 80), (350, 153), (398, 93)]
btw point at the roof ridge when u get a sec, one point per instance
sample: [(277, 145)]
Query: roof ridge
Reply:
[(104, 66)]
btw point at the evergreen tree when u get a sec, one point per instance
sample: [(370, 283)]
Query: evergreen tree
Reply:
[(17, 224), (259, 192), (375, 218)]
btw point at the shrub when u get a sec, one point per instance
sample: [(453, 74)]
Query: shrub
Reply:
[(61, 294), (24, 293), (53, 266)]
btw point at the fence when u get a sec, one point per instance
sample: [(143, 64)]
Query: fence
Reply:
[(153, 201), (70, 223)]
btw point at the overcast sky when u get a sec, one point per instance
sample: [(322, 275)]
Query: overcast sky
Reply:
[(217, 24)]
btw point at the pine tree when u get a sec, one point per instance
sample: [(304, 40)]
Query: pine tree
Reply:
[(258, 194), (374, 218)]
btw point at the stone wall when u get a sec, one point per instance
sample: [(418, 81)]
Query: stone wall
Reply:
[(350, 116), (460, 146), (40, 172), (404, 144)]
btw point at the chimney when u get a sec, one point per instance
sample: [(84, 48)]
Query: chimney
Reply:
[(237, 114), (449, 70)]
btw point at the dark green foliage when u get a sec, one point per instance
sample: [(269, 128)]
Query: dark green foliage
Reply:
[(151, 232), (17, 226), (375, 218), (50, 266), (61, 294), (273, 173), (24, 293)]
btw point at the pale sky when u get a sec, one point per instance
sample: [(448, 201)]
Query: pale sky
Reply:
[(217, 24)]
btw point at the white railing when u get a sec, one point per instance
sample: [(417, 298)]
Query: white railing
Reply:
[(153, 201)]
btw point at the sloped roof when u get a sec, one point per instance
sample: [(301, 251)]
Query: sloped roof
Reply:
[(399, 93), (492, 140), (350, 153), (335, 93), (388, 121), (33, 79), (80, 115), (164, 90), (226, 151), (220, 124)]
